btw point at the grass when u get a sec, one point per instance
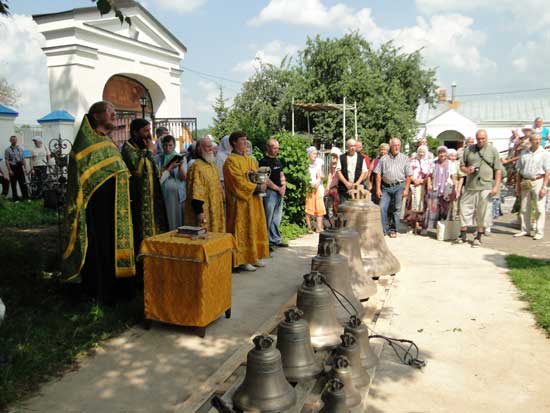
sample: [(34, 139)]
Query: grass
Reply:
[(532, 277), (46, 326), (25, 214)]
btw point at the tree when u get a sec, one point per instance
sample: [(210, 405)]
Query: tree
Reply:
[(221, 125), (8, 94), (104, 7)]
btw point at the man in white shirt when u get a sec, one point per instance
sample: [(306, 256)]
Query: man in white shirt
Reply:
[(533, 173), (351, 169)]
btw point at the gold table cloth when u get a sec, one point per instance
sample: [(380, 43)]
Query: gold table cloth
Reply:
[(187, 282)]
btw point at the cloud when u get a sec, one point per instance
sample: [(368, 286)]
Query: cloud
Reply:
[(272, 53), (180, 6), (23, 65), (447, 40)]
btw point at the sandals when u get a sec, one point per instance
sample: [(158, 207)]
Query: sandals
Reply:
[(393, 235)]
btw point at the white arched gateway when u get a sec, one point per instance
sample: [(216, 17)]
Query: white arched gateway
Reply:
[(93, 57)]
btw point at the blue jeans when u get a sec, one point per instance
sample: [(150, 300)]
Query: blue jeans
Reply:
[(273, 206), (389, 193)]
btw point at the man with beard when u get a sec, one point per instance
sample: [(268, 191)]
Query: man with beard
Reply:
[(204, 203), (98, 248), (245, 210), (148, 211), (351, 170)]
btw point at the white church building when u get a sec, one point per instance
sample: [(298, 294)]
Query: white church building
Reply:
[(452, 120), (92, 57)]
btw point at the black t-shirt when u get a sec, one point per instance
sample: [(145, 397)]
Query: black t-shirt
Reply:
[(276, 168)]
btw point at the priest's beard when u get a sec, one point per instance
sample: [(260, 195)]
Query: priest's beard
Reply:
[(209, 157)]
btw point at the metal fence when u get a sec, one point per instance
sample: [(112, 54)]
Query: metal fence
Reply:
[(183, 129)]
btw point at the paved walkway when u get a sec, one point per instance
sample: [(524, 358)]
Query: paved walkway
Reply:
[(483, 350), (157, 370)]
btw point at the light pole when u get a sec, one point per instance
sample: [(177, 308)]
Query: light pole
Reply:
[(143, 104)]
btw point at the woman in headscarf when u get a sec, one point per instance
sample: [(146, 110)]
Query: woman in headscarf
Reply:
[(415, 206), (441, 189), (314, 201), (172, 180)]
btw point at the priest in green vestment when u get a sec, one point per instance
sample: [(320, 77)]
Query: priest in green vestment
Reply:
[(98, 247), (148, 210)]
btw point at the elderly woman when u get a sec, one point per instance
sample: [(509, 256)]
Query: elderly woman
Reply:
[(314, 201), (442, 186), (173, 174), (415, 206), (371, 176)]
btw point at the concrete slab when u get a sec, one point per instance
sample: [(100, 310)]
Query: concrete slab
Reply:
[(483, 349), (155, 370)]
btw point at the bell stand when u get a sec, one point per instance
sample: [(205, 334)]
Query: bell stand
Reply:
[(225, 381)]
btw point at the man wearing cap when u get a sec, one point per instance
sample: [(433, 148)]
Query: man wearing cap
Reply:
[(273, 200), (148, 210), (531, 185), (352, 169), (40, 157), (483, 169), (15, 162)]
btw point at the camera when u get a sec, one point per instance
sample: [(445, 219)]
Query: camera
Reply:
[(476, 170)]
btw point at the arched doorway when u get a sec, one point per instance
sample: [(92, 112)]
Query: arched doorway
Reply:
[(452, 139), (125, 94)]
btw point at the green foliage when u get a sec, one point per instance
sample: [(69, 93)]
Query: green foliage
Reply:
[(292, 231), (532, 277), (292, 152), (222, 126), (433, 144), (386, 83), (25, 214)]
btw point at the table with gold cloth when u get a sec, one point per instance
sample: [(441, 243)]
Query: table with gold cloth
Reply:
[(187, 281)]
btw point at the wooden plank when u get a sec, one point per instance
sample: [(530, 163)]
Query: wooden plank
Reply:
[(206, 389)]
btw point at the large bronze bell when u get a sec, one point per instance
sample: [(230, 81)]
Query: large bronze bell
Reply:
[(264, 389), (294, 343), (364, 216), (349, 347), (334, 398), (348, 242), (360, 331), (316, 302), (341, 370), (336, 269)]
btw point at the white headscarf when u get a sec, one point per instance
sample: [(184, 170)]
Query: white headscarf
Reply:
[(223, 152)]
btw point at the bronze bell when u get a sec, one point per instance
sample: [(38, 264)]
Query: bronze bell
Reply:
[(341, 370), (364, 216), (336, 269), (294, 343), (360, 331), (348, 242), (264, 389), (316, 302), (349, 347), (334, 398)]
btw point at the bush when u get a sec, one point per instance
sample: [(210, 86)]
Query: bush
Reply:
[(292, 152)]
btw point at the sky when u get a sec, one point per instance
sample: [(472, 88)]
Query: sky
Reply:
[(482, 45)]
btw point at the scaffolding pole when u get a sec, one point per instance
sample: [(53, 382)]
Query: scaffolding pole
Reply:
[(355, 115), (344, 126), (292, 115)]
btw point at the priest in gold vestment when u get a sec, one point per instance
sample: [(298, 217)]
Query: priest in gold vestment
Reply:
[(204, 203), (245, 209)]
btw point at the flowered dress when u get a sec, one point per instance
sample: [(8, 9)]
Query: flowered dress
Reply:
[(416, 201), (440, 198)]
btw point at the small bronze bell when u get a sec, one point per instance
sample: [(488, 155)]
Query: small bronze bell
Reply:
[(316, 302), (360, 331), (294, 343), (264, 389), (350, 349), (334, 398), (341, 370), (335, 267), (349, 244), (364, 216)]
